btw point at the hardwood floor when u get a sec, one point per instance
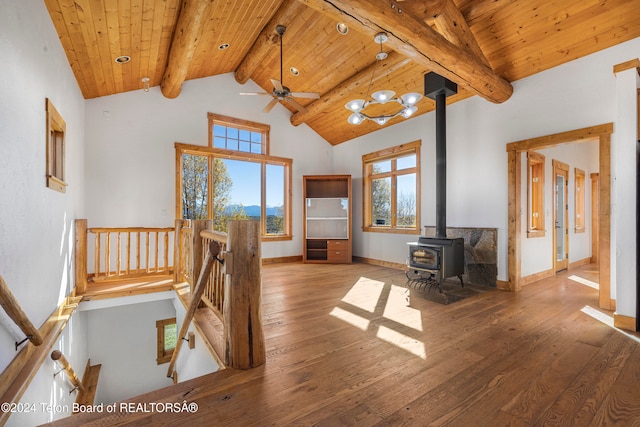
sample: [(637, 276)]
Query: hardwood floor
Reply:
[(349, 345)]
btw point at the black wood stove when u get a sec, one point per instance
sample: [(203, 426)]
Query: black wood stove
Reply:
[(439, 257)]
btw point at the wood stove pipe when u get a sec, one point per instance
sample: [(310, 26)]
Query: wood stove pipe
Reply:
[(438, 88)]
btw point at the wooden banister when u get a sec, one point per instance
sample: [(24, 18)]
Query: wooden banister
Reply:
[(11, 306), (212, 253), (71, 374)]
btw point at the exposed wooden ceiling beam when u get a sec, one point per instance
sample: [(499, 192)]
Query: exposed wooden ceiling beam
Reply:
[(267, 39), (410, 36), (394, 62), (183, 45), (450, 23)]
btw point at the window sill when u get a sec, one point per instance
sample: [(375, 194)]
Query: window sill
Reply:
[(535, 233), (56, 184), (392, 230)]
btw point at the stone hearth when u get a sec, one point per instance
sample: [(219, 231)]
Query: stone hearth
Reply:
[(480, 253)]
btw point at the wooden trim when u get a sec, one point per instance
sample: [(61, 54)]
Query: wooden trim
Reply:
[(280, 260), (573, 136), (604, 222), (16, 377), (502, 284), (580, 262), (624, 322), (579, 186), (627, 65), (382, 263), (86, 395), (603, 133), (536, 276), (595, 211), (535, 192), (163, 356), (514, 218)]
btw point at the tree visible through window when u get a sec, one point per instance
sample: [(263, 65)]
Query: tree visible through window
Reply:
[(391, 196), (223, 184)]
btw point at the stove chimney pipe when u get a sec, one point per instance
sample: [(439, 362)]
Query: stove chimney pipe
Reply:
[(438, 88)]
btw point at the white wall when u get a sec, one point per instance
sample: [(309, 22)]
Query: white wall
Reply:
[(123, 339), (537, 252), (575, 95), (192, 362), (36, 223), (130, 155)]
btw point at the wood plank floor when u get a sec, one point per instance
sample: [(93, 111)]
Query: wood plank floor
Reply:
[(349, 345)]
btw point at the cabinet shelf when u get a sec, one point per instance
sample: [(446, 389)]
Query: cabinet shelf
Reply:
[(327, 218)]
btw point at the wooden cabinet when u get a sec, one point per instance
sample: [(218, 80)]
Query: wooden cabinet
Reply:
[(327, 218)]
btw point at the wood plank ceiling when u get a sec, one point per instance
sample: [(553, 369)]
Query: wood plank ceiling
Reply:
[(482, 45)]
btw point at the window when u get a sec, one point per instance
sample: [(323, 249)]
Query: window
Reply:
[(167, 335), (222, 183), (579, 200), (56, 128), (238, 135), (391, 200), (535, 193)]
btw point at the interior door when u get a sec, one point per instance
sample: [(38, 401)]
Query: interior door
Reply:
[(560, 216)]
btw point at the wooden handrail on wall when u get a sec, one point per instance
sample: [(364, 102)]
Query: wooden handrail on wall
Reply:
[(11, 306), (212, 252), (71, 374)]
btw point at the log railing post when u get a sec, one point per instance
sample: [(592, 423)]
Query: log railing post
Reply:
[(197, 225), (11, 306), (177, 255), (242, 312), (80, 250), (59, 357), (196, 295)]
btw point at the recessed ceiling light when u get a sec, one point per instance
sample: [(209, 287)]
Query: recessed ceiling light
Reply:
[(123, 59), (223, 46), (342, 28), (294, 71)]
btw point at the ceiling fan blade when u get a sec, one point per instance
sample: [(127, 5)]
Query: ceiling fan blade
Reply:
[(270, 105), (277, 85), (254, 93), (306, 95), (296, 105)]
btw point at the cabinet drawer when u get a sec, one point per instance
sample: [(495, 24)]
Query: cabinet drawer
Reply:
[(338, 245), (338, 256)]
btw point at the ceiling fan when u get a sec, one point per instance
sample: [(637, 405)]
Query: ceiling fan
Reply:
[(281, 92)]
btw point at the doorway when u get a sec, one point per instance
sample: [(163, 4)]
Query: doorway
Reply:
[(560, 216), (601, 133)]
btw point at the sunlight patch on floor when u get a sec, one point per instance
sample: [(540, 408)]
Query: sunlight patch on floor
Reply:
[(372, 304), (584, 281), (406, 343), (351, 318), (606, 319), (365, 294)]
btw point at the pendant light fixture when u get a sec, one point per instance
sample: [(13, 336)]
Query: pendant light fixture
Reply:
[(407, 101)]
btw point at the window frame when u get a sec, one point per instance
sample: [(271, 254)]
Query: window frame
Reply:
[(535, 194), (241, 124), (56, 132), (579, 187), (163, 355), (241, 156), (391, 153)]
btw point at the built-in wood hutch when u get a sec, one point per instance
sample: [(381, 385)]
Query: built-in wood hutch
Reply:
[(327, 218)]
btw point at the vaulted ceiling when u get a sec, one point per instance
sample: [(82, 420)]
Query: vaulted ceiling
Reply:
[(482, 45)]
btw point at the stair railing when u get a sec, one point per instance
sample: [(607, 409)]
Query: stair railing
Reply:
[(12, 307)]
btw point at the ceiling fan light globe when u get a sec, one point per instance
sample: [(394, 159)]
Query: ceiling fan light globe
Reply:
[(382, 96), (411, 98), (356, 105), (355, 119), (409, 111)]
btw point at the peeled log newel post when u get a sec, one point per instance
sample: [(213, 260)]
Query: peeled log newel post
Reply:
[(242, 312)]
